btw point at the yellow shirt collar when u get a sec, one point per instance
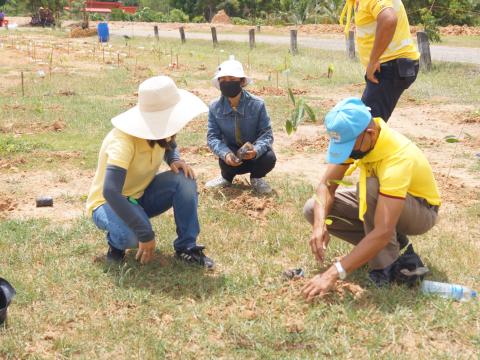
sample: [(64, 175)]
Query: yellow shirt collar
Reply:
[(388, 142)]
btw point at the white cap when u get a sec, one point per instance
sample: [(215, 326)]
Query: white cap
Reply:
[(231, 67)]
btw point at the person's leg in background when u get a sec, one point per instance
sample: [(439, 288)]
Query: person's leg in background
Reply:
[(383, 97)]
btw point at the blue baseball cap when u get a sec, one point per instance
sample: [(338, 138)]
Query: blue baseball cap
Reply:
[(348, 119)]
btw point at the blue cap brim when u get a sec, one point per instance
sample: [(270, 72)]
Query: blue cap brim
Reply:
[(338, 153)]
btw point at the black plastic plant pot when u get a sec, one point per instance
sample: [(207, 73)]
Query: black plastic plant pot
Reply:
[(7, 292)]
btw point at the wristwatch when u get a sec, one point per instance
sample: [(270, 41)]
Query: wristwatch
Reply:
[(342, 274)]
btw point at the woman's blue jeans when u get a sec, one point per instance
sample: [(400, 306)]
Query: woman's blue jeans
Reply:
[(166, 190)]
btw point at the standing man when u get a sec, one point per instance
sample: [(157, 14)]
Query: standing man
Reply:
[(397, 192), (386, 49)]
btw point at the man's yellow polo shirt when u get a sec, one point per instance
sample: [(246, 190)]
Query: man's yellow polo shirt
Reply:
[(400, 166), (401, 46), (128, 152)]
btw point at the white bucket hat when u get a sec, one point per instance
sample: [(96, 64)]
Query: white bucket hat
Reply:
[(162, 110), (231, 67)]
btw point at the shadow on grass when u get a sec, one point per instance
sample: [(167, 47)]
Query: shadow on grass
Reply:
[(241, 187), (165, 275)]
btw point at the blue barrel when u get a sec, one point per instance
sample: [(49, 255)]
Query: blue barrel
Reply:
[(103, 33)]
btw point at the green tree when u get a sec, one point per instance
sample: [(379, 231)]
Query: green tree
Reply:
[(446, 12), (157, 5)]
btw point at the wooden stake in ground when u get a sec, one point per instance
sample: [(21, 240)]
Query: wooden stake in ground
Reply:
[(350, 42), (251, 38), (135, 68), (182, 34), (50, 64), (23, 88), (214, 36), (424, 47), (118, 59), (293, 42), (155, 32), (177, 62)]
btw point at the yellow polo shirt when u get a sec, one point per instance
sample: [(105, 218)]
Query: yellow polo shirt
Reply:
[(130, 153), (402, 44), (400, 166)]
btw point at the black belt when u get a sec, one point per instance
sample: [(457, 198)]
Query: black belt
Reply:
[(393, 63)]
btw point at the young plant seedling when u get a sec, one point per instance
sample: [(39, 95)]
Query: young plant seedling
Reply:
[(300, 107)]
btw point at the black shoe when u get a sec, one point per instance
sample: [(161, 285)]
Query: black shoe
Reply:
[(402, 240), (115, 255), (196, 256)]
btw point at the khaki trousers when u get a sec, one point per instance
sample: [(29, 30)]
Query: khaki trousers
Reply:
[(417, 218)]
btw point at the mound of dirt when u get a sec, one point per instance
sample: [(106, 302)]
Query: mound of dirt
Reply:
[(255, 207), (471, 118), (318, 144), (460, 30), (221, 18), (6, 204), (79, 32), (197, 150), (274, 91)]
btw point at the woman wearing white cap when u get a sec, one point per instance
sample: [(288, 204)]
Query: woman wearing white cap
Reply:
[(239, 130), (127, 189)]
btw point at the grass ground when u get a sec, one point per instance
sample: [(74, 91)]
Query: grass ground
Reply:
[(70, 304)]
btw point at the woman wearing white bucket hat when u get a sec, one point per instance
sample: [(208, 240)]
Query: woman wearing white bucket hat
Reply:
[(127, 189), (239, 130)]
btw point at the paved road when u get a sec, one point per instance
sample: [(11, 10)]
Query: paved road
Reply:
[(439, 52)]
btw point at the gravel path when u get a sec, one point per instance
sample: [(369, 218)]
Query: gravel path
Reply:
[(439, 52)]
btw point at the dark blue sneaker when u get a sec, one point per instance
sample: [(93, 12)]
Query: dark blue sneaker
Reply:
[(196, 256), (114, 255)]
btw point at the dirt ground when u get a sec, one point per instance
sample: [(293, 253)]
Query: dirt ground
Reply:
[(300, 156)]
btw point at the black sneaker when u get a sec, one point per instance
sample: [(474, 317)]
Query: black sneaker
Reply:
[(115, 255), (402, 240), (196, 256)]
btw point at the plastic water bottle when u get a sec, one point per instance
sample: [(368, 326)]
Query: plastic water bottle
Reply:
[(448, 291)]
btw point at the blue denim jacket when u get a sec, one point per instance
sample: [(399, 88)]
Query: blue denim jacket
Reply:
[(254, 125)]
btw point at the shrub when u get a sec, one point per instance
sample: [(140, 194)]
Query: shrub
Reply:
[(117, 15), (148, 15), (240, 21), (97, 17), (177, 15), (198, 19), (430, 25)]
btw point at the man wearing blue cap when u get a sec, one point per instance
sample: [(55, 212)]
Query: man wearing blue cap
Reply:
[(396, 192)]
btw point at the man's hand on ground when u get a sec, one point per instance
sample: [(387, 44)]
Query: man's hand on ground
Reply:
[(320, 284), (372, 67), (319, 242), (232, 160), (145, 251)]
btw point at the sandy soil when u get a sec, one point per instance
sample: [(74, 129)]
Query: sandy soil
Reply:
[(300, 156)]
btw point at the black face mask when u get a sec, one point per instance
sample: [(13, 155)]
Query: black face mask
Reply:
[(358, 154), (230, 88)]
